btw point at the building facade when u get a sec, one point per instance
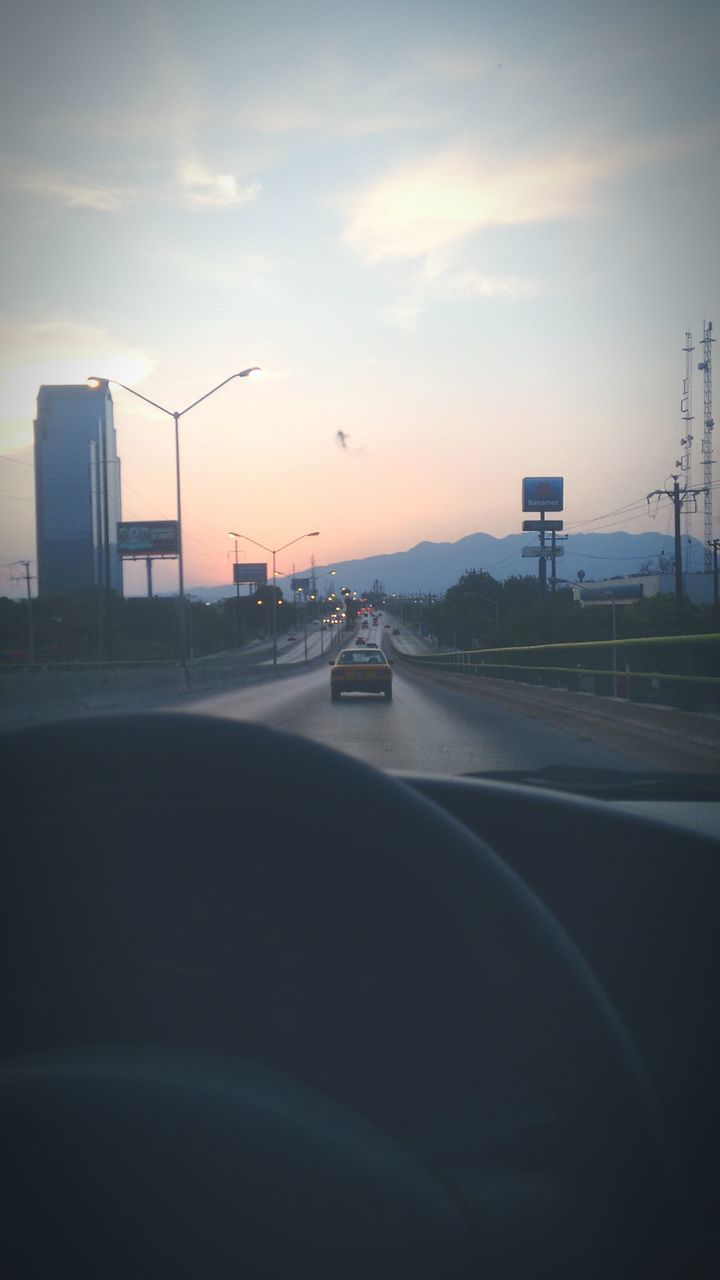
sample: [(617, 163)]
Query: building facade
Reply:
[(698, 587), (77, 490)]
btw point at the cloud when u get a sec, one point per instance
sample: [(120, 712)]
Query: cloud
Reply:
[(254, 272), (422, 209), (296, 117), (448, 281), (456, 282), (427, 65), (61, 351), (220, 190), (74, 194)]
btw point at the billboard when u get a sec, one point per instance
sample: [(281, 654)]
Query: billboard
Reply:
[(301, 584), (249, 573), (542, 493), (602, 595), (147, 538), (537, 526), (542, 553)]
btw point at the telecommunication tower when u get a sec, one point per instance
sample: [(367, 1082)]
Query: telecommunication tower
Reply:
[(684, 463), (705, 366)]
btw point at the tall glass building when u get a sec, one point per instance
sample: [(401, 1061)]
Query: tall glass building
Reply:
[(77, 490)]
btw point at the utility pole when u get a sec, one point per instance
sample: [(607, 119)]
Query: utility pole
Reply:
[(677, 503), (103, 537), (684, 463), (705, 366), (714, 547), (542, 565), (553, 559), (677, 496), (26, 578)]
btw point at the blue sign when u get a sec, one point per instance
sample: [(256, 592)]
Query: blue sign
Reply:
[(542, 493), (623, 591)]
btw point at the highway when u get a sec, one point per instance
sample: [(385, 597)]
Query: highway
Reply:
[(259, 652), (426, 728)]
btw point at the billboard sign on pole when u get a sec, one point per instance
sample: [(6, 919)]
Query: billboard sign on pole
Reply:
[(602, 595), (301, 584), (536, 526), (147, 538), (541, 553), (243, 573), (542, 493)]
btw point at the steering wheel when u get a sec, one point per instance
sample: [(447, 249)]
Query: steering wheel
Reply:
[(268, 1011)]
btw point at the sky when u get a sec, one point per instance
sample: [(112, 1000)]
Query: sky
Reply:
[(469, 236)]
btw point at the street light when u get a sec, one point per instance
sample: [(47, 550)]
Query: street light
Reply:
[(274, 551), (604, 594), (176, 415)]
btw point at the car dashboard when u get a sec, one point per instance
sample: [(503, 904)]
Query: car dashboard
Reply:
[(638, 892), (387, 967)]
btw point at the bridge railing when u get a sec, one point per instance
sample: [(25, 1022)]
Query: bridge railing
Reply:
[(682, 671)]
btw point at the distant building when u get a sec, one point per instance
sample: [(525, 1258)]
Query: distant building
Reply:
[(698, 587), (77, 490)]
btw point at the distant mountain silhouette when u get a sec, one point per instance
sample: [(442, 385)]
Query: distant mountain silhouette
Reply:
[(435, 566)]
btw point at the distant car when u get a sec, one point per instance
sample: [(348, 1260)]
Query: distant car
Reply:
[(291, 635), (370, 644), (361, 640), (386, 627), (396, 631), (354, 672)]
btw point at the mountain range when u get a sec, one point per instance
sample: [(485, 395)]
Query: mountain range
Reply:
[(435, 566)]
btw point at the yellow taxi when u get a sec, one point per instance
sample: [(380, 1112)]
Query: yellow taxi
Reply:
[(357, 671)]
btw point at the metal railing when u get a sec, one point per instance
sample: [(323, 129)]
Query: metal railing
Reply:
[(680, 670)]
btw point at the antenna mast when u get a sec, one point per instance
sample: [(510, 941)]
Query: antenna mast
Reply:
[(685, 461), (705, 366)]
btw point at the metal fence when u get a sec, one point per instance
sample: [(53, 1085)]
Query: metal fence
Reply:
[(682, 671)]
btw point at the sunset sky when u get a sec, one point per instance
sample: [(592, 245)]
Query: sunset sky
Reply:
[(470, 236)]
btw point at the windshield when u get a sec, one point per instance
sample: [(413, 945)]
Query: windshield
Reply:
[(325, 323), (348, 658)]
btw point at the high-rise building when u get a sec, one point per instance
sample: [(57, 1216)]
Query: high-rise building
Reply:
[(77, 490)]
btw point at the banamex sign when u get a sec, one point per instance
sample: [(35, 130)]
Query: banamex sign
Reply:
[(542, 493)]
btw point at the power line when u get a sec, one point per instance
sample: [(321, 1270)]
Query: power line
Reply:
[(20, 461), (582, 555), (638, 502), (14, 497)]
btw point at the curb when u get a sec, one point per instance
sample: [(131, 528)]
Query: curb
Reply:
[(661, 736)]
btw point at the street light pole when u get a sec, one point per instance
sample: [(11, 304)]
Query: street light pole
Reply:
[(176, 415), (603, 594), (274, 551), (274, 612), (181, 574)]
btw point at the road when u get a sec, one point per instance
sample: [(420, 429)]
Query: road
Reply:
[(426, 728), (259, 652)]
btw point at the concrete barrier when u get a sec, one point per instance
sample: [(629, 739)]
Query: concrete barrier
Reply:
[(33, 694), (662, 736)]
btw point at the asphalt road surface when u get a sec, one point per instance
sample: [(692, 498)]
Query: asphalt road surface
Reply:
[(426, 728), (259, 652)]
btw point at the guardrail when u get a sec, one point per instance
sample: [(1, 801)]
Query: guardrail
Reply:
[(686, 672)]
